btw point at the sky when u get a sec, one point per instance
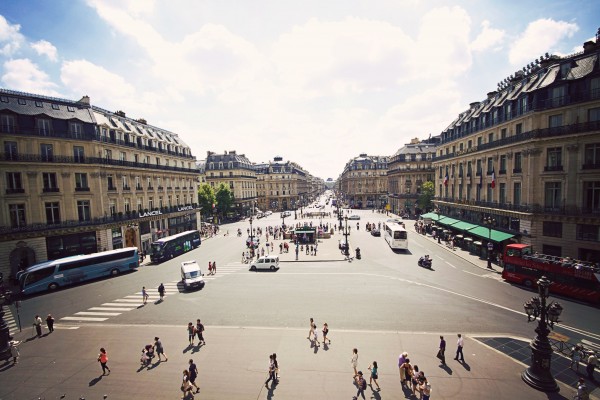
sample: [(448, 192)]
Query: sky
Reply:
[(317, 82)]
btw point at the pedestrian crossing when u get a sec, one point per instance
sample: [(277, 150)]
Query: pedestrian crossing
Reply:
[(10, 320), (134, 301)]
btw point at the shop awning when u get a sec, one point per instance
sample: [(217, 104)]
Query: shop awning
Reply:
[(304, 231), (448, 221), (464, 226), (496, 236), (432, 216)]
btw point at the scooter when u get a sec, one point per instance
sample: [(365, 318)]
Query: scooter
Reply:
[(425, 262)]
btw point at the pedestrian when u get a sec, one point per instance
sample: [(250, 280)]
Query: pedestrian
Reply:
[(191, 333), (401, 359), (592, 361), (575, 357), (459, 348), (186, 387), (325, 332), (310, 329), (14, 351), (144, 295), (200, 332), (210, 268), (316, 335), (50, 323), (416, 380), (158, 347), (103, 359), (408, 373), (354, 361), (193, 369), (374, 375), (276, 367), (37, 322), (271, 370), (425, 389), (442, 351), (214, 267), (161, 291), (361, 384), (582, 390)]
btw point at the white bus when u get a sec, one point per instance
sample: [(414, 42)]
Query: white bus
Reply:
[(395, 235)]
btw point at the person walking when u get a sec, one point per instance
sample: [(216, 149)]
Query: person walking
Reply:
[(276, 368), (103, 360), (161, 291), (592, 361), (191, 333), (193, 369), (316, 335), (325, 333), (374, 375), (214, 268), (575, 357), (37, 322), (50, 323), (459, 348), (14, 351), (210, 268), (401, 359), (408, 373), (158, 347), (582, 390), (361, 384), (186, 387), (272, 376), (144, 295), (310, 329), (442, 351), (354, 361), (200, 332)]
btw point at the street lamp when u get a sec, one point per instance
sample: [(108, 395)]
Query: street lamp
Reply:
[(439, 236), (5, 299), (339, 213), (539, 375), (251, 238), (346, 234), (489, 221)]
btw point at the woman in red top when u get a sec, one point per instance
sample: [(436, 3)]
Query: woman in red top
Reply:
[(103, 359)]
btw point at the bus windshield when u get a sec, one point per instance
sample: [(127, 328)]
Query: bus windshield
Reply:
[(35, 276), (157, 248)]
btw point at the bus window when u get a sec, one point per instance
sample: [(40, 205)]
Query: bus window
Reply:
[(38, 275)]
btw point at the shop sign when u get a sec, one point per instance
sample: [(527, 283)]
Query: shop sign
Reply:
[(186, 208), (150, 213)]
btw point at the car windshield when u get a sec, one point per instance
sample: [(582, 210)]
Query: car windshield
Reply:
[(192, 274)]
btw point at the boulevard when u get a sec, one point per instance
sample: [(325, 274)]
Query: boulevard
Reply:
[(382, 304)]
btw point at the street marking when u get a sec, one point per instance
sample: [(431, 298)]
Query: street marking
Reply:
[(120, 305), (441, 258), (56, 326), (110, 309), (451, 265), (471, 273), (99, 314), (90, 319), (128, 300)]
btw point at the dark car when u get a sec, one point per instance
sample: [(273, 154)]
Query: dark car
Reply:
[(375, 232)]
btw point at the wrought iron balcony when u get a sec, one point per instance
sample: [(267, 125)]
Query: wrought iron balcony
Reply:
[(553, 168), (15, 190)]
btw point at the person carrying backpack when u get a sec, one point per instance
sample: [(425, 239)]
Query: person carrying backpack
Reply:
[(361, 383)]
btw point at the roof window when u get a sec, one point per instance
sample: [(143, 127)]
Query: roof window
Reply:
[(22, 102), (55, 107), (4, 99), (39, 104), (70, 108)]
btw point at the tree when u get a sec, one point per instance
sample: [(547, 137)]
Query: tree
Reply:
[(225, 198), (427, 194), (206, 198)]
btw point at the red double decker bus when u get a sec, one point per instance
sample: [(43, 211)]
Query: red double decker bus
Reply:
[(569, 277)]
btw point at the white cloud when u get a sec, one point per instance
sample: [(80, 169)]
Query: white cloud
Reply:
[(541, 36), (10, 37), (43, 47), (487, 38), (23, 74)]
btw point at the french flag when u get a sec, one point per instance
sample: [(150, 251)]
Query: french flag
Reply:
[(493, 178), (446, 180)]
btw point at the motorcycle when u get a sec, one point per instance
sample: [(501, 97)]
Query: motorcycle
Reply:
[(425, 262), (358, 253)]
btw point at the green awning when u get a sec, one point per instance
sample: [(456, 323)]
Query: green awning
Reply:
[(432, 216), (464, 226), (496, 236), (448, 221), (301, 231)]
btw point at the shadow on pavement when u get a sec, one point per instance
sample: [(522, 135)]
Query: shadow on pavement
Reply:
[(446, 368), (95, 380)]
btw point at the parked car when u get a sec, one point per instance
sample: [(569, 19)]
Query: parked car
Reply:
[(267, 213), (354, 216), (269, 262), (375, 232)]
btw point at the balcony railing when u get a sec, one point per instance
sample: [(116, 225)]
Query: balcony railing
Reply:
[(553, 168), (50, 190), (517, 170), (112, 188), (126, 188), (82, 189), (15, 191), (591, 166), (502, 172), (527, 208)]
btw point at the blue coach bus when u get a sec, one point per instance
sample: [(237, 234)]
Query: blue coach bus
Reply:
[(50, 275), (173, 246)]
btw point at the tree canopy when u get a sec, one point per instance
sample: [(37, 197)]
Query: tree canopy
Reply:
[(224, 197), (206, 198), (427, 194)]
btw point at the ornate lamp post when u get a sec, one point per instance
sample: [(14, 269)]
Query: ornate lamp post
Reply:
[(251, 238), (5, 299), (439, 236), (346, 234), (539, 375), (283, 219), (489, 221)]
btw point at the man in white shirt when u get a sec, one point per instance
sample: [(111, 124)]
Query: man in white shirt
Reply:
[(459, 348)]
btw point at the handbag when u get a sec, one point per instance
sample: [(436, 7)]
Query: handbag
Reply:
[(439, 354)]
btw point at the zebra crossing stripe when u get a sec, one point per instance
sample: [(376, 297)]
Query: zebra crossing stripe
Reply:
[(85, 319), (98, 313), (110, 309)]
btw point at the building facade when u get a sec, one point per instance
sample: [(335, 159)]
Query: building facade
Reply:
[(363, 183), (281, 185), (238, 173), (408, 169), (78, 179), (528, 157)]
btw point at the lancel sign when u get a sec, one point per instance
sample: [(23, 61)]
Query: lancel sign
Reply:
[(150, 213)]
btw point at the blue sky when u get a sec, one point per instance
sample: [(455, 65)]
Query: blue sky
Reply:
[(316, 82)]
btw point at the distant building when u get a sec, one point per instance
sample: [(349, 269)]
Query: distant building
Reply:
[(78, 179), (363, 182), (408, 169), (282, 185), (527, 158)]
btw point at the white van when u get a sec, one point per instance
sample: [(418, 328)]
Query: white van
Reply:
[(191, 275), (265, 262)]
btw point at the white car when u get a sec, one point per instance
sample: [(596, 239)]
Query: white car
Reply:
[(354, 217), (270, 262)]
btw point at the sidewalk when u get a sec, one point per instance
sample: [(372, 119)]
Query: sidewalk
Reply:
[(233, 365)]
